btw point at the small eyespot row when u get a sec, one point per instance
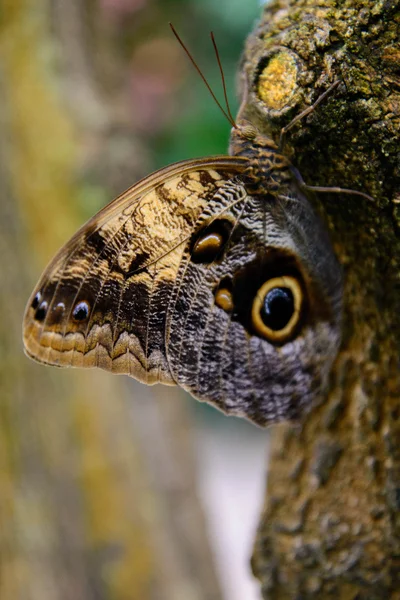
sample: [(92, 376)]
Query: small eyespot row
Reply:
[(80, 312)]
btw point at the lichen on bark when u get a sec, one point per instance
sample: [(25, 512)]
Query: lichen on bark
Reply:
[(330, 526)]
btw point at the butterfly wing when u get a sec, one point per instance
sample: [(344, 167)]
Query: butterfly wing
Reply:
[(253, 326), (102, 301), (192, 278)]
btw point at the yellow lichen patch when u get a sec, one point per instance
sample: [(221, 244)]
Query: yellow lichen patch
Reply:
[(277, 81), (391, 56)]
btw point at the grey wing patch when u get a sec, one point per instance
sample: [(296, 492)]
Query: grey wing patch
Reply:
[(215, 348)]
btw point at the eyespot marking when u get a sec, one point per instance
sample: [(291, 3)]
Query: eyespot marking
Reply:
[(224, 299), (41, 312), (208, 247), (57, 313), (209, 242), (277, 308), (81, 311), (36, 301)]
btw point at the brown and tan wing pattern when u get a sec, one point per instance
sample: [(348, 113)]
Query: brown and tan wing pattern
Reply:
[(102, 301)]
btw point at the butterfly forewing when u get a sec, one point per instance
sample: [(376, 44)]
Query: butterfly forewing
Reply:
[(102, 301)]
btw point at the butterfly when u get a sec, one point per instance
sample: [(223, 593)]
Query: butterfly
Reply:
[(214, 274)]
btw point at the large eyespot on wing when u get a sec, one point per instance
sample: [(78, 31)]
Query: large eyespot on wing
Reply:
[(255, 328), (102, 300), (277, 308)]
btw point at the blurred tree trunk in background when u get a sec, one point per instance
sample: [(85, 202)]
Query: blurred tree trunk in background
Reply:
[(97, 494), (331, 523)]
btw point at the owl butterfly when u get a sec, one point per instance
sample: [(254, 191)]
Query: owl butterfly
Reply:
[(213, 273)]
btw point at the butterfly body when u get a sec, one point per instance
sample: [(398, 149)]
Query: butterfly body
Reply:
[(267, 169), (214, 274)]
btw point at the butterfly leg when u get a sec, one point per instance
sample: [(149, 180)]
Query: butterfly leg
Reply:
[(304, 113)]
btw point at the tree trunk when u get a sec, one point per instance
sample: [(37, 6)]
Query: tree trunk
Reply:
[(330, 526), (97, 499)]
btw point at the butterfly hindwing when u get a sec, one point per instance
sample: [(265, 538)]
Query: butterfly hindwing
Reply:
[(215, 349)]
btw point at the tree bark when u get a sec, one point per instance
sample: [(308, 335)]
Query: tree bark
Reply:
[(97, 500), (330, 526)]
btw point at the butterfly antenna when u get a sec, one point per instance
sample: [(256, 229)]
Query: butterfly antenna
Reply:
[(228, 108), (228, 114)]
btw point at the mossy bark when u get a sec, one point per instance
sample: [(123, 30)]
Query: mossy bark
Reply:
[(331, 523)]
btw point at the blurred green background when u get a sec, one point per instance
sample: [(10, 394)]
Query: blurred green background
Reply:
[(110, 490)]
